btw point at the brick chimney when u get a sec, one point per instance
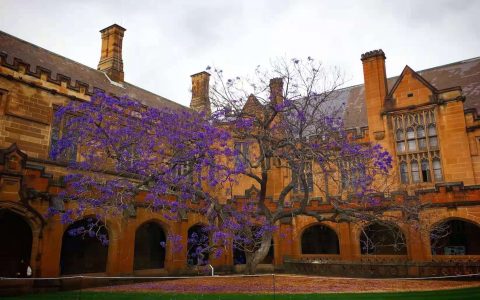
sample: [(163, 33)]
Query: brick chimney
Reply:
[(376, 87), (200, 96), (276, 90), (111, 57)]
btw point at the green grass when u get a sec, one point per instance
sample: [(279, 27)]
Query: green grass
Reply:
[(468, 293)]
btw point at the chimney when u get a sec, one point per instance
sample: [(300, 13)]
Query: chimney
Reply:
[(200, 96), (376, 87), (276, 90), (111, 57)]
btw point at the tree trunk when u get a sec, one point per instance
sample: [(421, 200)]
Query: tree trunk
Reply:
[(253, 259)]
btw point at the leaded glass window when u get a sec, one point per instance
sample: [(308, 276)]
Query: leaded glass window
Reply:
[(298, 186), (404, 172), (417, 147)]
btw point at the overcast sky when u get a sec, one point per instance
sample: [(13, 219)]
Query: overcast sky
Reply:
[(167, 41)]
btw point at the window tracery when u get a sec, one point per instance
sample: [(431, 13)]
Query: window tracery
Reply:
[(417, 148)]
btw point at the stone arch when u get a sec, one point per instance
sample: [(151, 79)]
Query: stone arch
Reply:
[(82, 251), (270, 258), (384, 238), (16, 250), (197, 240), (318, 238), (239, 256), (455, 236), (150, 245), (35, 223)]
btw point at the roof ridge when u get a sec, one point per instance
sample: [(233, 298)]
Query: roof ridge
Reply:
[(420, 71), (451, 64), (80, 64), (51, 52), (150, 92)]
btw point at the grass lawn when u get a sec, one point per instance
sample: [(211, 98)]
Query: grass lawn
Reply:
[(468, 293)]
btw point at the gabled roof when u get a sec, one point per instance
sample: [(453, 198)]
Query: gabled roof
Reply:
[(465, 73), (252, 105), (13, 50), (417, 76)]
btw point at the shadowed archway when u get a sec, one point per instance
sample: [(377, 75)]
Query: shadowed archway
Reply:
[(382, 239), (82, 249), (16, 247), (198, 243), (149, 247), (455, 237), (320, 239)]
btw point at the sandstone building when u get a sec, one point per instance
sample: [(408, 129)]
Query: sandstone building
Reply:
[(426, 119)]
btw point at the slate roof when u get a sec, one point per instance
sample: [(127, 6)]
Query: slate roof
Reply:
[(38, 58), (465, 73)]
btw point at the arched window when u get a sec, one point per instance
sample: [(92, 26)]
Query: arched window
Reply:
[(149, 247), (400, 135), (432, 136), (412, 144), (426, 171), (400, 141), (381, 239), (415, 171), (15, 251), (455, 237), (403, 172), (82, 248), (320, 239), (437, 169), (422, 142)]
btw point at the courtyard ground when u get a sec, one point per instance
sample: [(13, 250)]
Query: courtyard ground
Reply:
[(277, 287), (287, 284)]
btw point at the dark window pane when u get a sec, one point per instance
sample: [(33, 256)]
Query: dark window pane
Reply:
[(425, 171)]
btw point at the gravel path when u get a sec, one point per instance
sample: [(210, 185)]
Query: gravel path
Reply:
[(285, 284)]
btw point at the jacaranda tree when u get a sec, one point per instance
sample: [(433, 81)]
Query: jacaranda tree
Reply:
[(165, 160)]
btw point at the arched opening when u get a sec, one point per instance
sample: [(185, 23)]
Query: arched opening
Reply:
[(239, 257), (250, 242), (270, 255), (455, 237), (380, 239), (16, 249), (149, 247), (84, 248), (198, 245), (320, 239)]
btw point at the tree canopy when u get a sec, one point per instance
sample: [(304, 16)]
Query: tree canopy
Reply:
[(287, 118)]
